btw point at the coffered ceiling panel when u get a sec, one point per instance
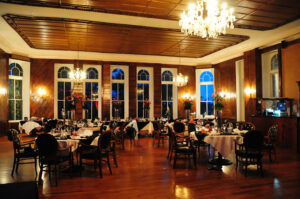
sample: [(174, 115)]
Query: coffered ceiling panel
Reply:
[(253, 14), (78, 35)]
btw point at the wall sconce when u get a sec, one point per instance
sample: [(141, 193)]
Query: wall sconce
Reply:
[(250, 91), (187, 96), (227, 95), (42, 92), (3, 91)]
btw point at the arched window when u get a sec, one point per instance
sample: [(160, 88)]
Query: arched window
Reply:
[(91, 91), (15, 70), (63, 86), (15, 94), (274, 62), (167, 76), (117, 74), (143, 75), (63, 72), (206, 77), (168, 93), (92, 73), (144, 92), (119, 92), (205, 91)]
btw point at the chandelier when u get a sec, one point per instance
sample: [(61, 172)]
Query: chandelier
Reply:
[(77, 75), (181, 80), (206, 20)]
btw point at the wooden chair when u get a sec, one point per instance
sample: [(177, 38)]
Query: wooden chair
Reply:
[(50, 155), (181, 148), (250, 152), (157, 133), (23, 152), (99, 153), (270, 141), (248, 126)]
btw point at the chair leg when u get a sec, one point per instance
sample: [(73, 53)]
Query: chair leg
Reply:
[(55, 173), (17, 165), (195, 159), (40, 174), (100, 167), (35, 163), (49, 173), (175, 158), (108, 163), (80, 160), (115, 159), (14, 166)]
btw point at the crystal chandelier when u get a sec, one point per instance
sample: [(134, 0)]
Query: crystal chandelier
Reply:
[(77, 75), (206, 20), (181, 80)]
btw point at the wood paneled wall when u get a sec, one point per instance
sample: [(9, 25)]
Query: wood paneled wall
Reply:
[(225, 81), (42, 75), (3, 97), (252, 66)]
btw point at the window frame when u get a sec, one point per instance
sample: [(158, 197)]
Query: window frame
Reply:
[(125, 69), (150, 82), (198, 93), (267, 72), (57, 66), (85, 67), (175, 89), (25, 65)]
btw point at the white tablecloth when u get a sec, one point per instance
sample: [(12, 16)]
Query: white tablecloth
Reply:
[(28, 126), (133, 123), (149, 127), (95, 141), (87, 131), (65, 143), (224, 144)]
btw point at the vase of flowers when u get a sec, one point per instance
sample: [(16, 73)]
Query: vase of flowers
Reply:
[(219, 106), (85, 106), (187, 107), (117, 106), (147, 104)]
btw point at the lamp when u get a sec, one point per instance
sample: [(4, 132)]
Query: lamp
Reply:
[(206, 20), (181, 80)]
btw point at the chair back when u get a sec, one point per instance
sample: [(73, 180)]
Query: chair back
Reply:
[(104, 141), (156, 126), (253, 140), (13, 136), (272, 132), (191, 127), (179, 127), (131, 132), (249, 126), (47, 145)]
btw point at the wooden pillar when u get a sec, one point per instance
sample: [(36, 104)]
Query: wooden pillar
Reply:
[(106, 94), (132, 91), (3, 93), (298, 105), (253, 81), (157, 91)]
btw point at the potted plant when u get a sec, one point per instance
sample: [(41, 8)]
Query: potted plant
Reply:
[(187, 106), (219, 106), (147, 104)]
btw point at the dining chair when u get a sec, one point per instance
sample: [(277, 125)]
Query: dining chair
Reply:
[(248, 126), (99, 153), (158, 135), (270, 141), (250, 152), (23, 152), (51, 155)]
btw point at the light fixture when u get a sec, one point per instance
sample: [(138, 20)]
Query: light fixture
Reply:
[(181, 80), (206, 19), (77, 75), (3, 91), (41, 92)]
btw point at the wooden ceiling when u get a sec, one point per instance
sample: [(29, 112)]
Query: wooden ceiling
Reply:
[(252, 14), (71, 34)]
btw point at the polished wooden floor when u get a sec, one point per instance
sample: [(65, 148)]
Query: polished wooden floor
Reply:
[(144, 172)]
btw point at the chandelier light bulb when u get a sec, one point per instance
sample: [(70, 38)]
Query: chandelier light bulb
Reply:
[(206, 19)]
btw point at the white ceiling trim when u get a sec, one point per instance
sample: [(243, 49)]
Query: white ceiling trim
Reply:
[(11, 42)]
